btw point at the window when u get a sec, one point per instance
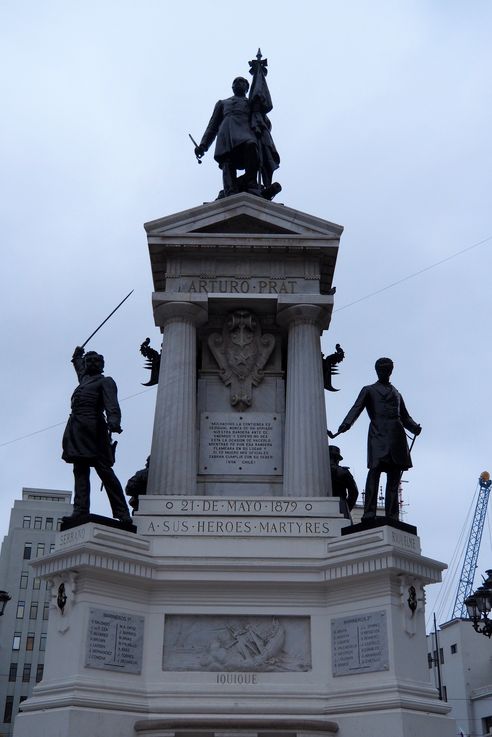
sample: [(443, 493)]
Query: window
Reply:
[(429, 660), (7, 712), (454, 649), (42, 641), (26, 521), (39, 672), (27, 551), (30, 641), (13, 671), (36, 583), (26, 673), (58, 523), (16, 641), (52, 547), (23, 580), (40, 549), (38, 521), (33, 612), (441, 655), (21, 606), (444, 693), (487, 725), (49, 523), (46, 610)]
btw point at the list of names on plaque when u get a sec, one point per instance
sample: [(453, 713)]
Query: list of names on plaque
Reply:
[(240, 443), (359, 644), (114, 641)]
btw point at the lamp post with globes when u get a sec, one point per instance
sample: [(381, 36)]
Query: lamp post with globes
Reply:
[(479, 606)]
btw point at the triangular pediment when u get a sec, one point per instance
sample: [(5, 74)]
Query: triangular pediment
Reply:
[(243, 214)]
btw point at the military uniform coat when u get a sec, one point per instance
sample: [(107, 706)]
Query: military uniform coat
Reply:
[(86, 437), (230, 122), (386, 440)]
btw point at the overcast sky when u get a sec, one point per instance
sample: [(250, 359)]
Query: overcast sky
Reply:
[(382, 118)]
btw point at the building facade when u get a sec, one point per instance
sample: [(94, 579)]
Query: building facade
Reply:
[(34, 521), (464, 658)]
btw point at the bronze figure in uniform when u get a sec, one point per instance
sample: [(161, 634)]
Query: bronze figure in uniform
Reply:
[(244, 140), (342, 482), (95, 414), (387, 447)]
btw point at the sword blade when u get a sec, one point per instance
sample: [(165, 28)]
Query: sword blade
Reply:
[(106, 319)]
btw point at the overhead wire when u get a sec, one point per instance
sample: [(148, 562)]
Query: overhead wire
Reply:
[(338, 309), (414, 274), (58, 424), (442, 606)]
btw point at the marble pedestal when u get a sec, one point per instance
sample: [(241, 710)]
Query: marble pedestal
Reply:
[(238, 617)]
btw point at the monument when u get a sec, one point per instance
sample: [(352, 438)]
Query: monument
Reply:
[(238, 608)]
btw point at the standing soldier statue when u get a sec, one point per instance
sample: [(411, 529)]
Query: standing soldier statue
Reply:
[(342, 482), (95, 414), (387, 447), (242, 129)]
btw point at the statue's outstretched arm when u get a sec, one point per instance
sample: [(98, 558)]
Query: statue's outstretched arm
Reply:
[(355, 411), (212, 128)]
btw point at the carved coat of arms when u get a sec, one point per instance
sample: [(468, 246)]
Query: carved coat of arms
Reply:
[(241, 352)]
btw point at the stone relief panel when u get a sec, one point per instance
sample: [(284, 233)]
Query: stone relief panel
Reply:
[(241, 352), (194, 642)]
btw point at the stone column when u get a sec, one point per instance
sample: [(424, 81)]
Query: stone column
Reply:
[(173, 457), (306, 456)]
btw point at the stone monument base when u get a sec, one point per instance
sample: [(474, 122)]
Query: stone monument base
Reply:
[(236, 617)]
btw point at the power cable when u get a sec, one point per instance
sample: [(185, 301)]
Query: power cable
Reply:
[(58, 424), (414, 274), (442, 601), (338, 309)]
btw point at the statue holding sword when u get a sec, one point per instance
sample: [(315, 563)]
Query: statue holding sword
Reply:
[(95, 414)]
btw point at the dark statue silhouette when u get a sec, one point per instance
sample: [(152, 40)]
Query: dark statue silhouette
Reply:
[(342, 482), (387, 447), (95, 414), (243, 132)]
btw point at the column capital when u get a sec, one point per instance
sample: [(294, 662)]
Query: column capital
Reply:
[(305, 314), (167, 309)]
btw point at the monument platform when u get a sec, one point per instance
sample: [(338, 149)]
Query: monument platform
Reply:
[(239, 607), (208, 632)]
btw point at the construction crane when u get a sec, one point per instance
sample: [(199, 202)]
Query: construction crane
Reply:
[(465, 586)]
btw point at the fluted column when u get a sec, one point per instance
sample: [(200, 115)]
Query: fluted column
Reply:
[(306, 456), (173, 458)]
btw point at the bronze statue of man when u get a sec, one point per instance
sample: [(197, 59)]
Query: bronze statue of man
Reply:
[(243, 132), (342, 482), (95, 414), (387, 447)]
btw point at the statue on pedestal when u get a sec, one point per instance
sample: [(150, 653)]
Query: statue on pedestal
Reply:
[(244, 141), (95, 414), (137, 485), (387, 447), (342, 482)]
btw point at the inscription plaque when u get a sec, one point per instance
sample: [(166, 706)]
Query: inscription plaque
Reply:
[(359, 644), (241, 527), (114, 641), (225, 643), (240, 443)]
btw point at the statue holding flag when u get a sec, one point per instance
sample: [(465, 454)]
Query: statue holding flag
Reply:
[(243, 132)]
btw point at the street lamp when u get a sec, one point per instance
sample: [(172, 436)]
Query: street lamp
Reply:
[(479, 605), (4, 598)]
